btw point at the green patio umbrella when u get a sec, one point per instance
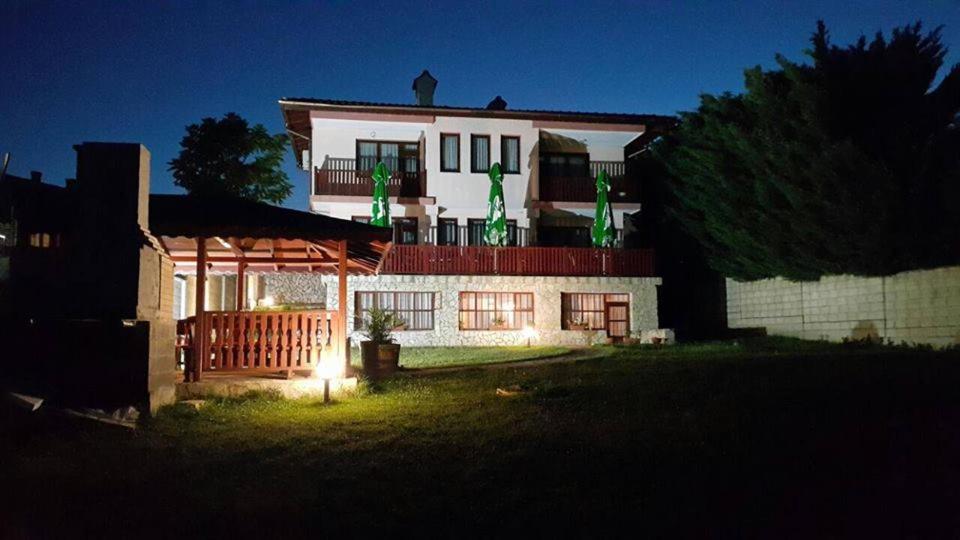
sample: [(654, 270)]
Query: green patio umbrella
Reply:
[(495, 229), (603, 232), (380, 213)]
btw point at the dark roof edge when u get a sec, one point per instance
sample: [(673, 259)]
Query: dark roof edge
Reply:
[(443, 110)]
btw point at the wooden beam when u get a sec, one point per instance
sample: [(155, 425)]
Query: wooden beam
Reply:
[(342, 304), (241, 286), (258, 260), (200, 331)]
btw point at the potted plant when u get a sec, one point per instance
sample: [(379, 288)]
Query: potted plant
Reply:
[(578, 324), (498, 323), (379, 353)]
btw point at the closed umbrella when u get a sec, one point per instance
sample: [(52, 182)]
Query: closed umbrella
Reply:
[(495, 228), (380, 213), (603, 233)]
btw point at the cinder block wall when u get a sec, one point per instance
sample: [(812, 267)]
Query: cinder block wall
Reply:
[(921, 306), (155, 306)]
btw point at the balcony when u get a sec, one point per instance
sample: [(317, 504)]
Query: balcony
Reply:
[(623, 188), (339, 176), (518, 261)]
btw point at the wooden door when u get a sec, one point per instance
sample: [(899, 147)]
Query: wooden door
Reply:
[(618, 320)]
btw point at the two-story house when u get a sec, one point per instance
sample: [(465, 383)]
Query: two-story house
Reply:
[(448, 287)]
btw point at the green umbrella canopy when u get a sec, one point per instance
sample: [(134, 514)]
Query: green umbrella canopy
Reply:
[(495, 229), (603, 233), (380, 213)]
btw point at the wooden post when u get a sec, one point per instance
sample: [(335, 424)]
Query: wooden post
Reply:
[(342, 304), (200, 330), (241, 286)]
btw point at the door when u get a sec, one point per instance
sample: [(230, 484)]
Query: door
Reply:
[(618, 320)]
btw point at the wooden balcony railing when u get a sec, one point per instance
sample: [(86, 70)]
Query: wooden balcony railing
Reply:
[(339, 176), (518, 261), (260, 340), (584, 189)]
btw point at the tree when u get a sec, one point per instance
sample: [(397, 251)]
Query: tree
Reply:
[(228, 157), (848, 165)]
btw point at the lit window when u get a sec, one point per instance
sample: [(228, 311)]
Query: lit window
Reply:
[(495, 311), (587, 309), (415, 309)]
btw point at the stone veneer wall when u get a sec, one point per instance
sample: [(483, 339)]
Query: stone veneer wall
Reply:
[(921, 306), (314, 289), (297, 288)]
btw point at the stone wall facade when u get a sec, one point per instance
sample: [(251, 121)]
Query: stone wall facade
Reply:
[(921, 306), (315, 289)]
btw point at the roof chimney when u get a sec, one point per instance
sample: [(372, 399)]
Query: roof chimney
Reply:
[(497, 104), (423, 87), (36, 176)]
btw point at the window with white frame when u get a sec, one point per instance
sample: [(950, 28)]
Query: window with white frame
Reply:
[(496, 310), (415, 309)]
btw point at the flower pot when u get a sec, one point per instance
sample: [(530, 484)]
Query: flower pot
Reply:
[(379, 358), (581, 327)]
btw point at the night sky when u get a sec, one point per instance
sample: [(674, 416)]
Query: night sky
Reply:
[(141, 71)]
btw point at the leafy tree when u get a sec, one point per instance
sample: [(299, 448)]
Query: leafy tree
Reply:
[(228, 157), (848, 165)]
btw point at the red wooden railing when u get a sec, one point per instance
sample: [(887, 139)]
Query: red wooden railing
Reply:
[(584, 189), (339, 176), (518, 261), (260, 340)]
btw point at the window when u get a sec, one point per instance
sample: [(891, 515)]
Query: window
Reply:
[(405, 230), (360, 219), (450, 152), (565, 165), (475, 228), (397, 156), (479, 153), (44, 240), (587, 307), (510, 154), (448, 234), (475, 231), (495, 311), (415, 309)]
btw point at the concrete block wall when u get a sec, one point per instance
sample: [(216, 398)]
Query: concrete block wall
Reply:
[(921, 306), (155, 307), (310, 289)]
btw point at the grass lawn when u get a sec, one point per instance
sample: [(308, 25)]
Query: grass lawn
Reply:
[(767, 438), (427, 357)]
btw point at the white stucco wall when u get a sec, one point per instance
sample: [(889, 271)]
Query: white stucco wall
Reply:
[(922, 306), (305, 288), (461, 195)]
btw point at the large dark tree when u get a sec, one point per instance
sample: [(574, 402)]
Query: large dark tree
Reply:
[(848, 165), (228, 157)]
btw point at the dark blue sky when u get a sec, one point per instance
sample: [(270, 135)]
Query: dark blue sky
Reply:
[(141, 71)]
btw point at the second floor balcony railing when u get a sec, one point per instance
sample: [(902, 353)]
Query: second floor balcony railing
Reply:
[(340, 176), (518, 261), (580, 188)]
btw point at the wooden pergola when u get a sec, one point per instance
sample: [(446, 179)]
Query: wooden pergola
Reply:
[(225, 235)]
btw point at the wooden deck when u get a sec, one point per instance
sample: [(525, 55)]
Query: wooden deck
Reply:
[(260, 342)]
